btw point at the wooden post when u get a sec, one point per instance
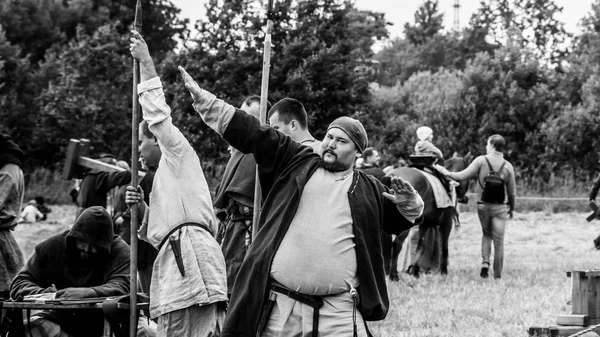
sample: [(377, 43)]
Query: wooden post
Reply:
[(264, 92), (134, 182)]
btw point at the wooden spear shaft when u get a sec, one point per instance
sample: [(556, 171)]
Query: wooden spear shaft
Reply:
[(264, 92), (134, 182)]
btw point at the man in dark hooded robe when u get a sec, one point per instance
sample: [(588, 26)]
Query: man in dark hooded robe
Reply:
[(88, 260)]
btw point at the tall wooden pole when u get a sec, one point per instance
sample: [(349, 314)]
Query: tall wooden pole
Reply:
[(264, 92), (133, 312)]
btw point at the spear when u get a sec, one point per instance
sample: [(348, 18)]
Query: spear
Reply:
[(137, 23), (264, 91)]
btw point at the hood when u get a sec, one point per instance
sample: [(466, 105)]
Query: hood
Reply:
[(10, 153), (94, 225)]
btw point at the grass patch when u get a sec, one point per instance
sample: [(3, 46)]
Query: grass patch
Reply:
[(539, 249)]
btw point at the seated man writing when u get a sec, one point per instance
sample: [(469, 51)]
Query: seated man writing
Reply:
[(86, 261)]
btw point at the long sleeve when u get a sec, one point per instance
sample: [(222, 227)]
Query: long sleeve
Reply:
[(595, 188), (30, 280), (272, 149), (411, 207), (180, 190), (108, 180), (117, 272), (12, 185)]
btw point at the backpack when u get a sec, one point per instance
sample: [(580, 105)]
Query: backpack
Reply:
[(493, 185)]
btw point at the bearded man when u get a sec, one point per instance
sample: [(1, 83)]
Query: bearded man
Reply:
[(320, 224)]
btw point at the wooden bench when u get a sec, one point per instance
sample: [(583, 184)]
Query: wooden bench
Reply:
[(585, 306)]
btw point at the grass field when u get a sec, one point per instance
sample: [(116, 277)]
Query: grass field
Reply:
[(539, 248)]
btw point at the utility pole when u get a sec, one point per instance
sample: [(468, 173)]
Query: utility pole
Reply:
[(456, 25)]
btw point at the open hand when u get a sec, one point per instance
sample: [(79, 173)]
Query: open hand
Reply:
[(190, 84), (75, 293), (138, 47), (400, 191)]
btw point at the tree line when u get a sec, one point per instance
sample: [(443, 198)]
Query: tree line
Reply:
[(65, 72)]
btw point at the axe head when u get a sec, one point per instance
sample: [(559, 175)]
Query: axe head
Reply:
[(75, 149)]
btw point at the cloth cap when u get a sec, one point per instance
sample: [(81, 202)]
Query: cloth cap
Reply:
[(424, 132), (354, 129)]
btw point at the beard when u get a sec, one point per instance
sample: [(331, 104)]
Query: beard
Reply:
[(335, 166)]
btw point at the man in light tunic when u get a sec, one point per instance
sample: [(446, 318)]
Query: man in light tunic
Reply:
[(289, 116), (317, 255), (12, 191), (188, 279)]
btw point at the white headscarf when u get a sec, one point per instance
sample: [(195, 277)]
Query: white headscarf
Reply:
[(424, 132)]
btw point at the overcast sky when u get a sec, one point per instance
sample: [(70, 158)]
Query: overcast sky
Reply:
[(399, 12)]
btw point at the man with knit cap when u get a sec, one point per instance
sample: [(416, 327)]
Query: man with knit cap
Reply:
[(320, 223), (12, 188), (88, 260)]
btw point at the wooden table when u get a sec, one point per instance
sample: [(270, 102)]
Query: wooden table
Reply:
[(59, 305)]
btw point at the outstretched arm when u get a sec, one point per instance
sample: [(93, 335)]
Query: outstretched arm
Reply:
[(272, 149)]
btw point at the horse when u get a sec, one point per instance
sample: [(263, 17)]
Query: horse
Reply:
[(432, 216)]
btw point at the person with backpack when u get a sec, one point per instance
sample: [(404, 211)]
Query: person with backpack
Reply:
[(496, 199)]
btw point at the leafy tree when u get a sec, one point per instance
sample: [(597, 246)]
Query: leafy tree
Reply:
[(428, 23), (427, 48), (17, 111), (36, 25), (527, 23), (89, 96), (316, 47)]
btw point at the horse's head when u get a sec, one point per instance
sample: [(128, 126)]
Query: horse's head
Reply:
[(455, 164)]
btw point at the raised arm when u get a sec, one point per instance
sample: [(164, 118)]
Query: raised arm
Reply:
[(154, 106), (139, 50), (272, 150)]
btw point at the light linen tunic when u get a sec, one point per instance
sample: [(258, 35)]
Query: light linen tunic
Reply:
[(180, 194), (12, 191)]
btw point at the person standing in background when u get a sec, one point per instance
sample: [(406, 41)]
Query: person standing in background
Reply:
[(12, 190)]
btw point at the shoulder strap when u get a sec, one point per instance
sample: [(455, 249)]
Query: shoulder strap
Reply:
[(491, 170), (489, 164), (500, 170)]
